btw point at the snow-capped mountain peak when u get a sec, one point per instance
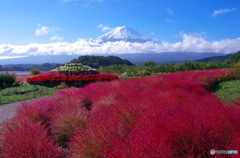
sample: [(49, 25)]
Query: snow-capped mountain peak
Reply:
[(123, 33)]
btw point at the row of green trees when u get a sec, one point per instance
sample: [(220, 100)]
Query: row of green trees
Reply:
[(154, 68), (184, 66)]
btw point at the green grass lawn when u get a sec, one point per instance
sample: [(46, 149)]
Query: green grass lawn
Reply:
[(228, 90), (23, 92), (138, 76)]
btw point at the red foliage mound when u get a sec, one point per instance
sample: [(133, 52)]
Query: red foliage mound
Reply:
[(76, 76), (171, 115)]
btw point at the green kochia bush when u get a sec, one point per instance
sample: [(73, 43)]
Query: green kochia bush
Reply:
[(34, 72), (7, 79)]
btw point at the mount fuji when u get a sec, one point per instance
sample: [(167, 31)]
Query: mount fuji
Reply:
[(123, 33)]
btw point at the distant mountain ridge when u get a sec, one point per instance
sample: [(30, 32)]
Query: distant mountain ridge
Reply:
[(39, 59), (135, 58), (215, 58), (165, 58), (123, 33), (27, 67)]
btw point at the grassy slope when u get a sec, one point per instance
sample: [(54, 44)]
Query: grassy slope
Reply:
[(23, 92), (228, 90)]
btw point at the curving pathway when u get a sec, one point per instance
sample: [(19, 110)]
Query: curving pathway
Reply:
[(7, 111)]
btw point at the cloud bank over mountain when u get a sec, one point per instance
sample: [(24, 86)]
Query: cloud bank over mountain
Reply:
[(189, 43), (194, 43)]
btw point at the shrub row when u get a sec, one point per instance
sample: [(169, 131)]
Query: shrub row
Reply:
[(163, 116), (153, 68)]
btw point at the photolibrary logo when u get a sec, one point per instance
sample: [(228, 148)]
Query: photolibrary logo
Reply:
[(212, 152)]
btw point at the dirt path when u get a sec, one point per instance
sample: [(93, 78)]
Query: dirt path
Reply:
[(7, 111)]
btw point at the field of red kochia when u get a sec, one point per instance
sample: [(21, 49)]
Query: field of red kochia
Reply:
[(166, 116)]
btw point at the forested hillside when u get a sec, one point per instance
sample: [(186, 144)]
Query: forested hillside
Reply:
[(225, 58), (234, 58), (216, 58)]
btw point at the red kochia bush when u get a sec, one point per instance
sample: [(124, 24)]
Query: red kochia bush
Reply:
[(171, 115), (26, 139)]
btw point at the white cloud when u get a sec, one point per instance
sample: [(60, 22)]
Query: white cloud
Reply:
[(42, 31), (58, 38), (222, 11), (11, 57), (170, 11), (104, 28), (45, 30), (190, 43)]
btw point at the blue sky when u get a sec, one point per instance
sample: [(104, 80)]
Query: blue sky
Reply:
[(37, 22)]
